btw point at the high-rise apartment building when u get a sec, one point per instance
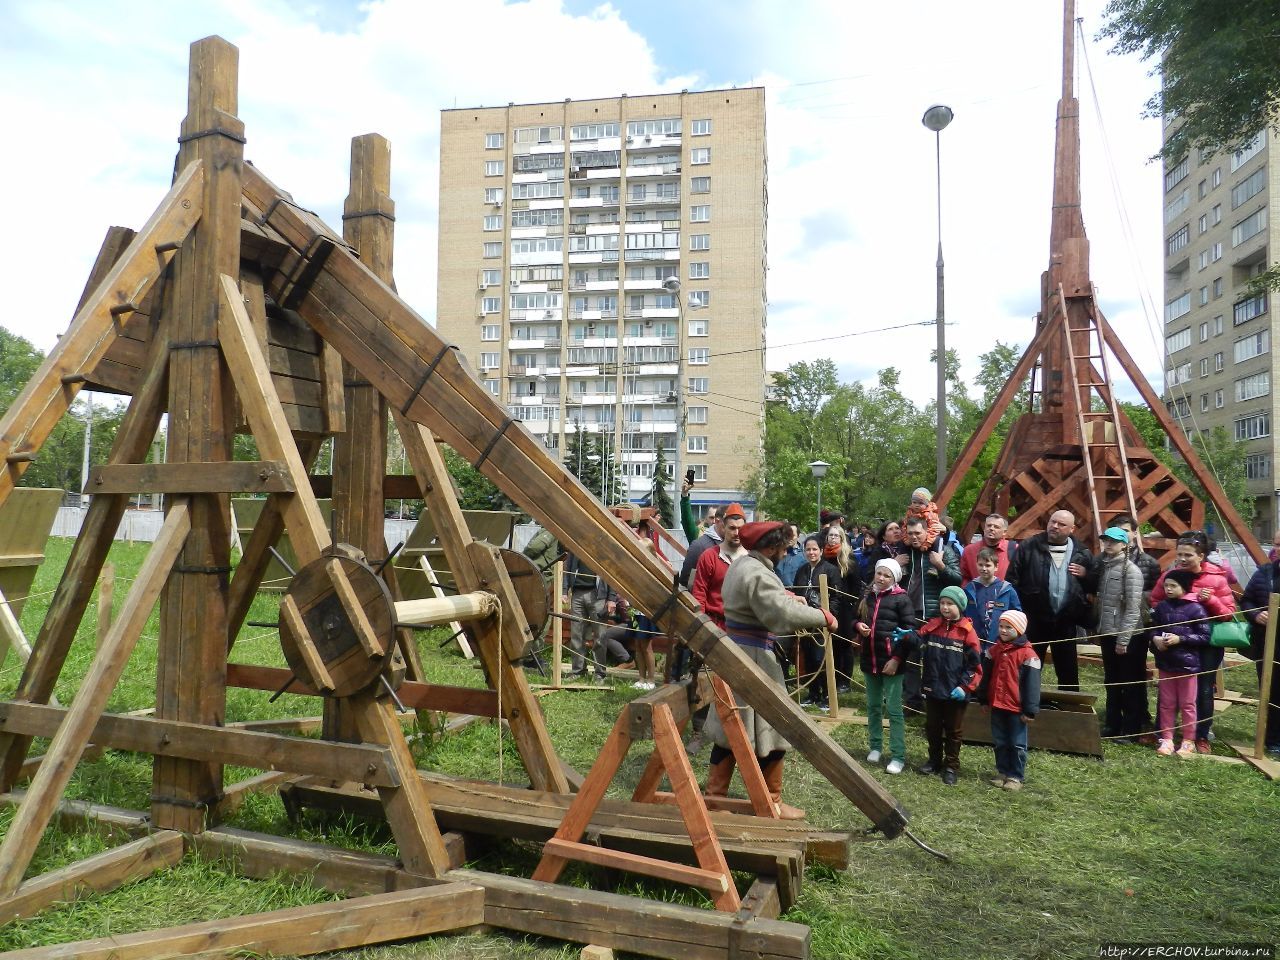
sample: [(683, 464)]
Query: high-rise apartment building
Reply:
[(1219, 365), (602, 267)]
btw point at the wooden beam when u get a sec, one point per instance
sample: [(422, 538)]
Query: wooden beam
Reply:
[(437, 610), (97, 874), (230, 476), (46, 397), (297, 931), (246, 748), (395, 486), (394, 348), (51, 779), (413, 694)]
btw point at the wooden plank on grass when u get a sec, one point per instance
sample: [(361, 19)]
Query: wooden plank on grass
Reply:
[(298, 931), (259, 750), (651, 929), (51, 779), (97, 874)]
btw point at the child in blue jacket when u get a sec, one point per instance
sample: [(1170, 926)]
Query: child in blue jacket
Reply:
[(989, 597)]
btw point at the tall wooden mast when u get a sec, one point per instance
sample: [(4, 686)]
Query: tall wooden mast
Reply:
[(1074, 448)]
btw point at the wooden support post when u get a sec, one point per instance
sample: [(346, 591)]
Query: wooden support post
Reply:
[(833, 687), (556, 625), (748, 763), (64, 752), (297, 931), (106, 596), (97, 874), (1268, 667), (190, 663), (11, 635)]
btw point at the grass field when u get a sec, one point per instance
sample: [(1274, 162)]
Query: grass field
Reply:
[(1133, 848)]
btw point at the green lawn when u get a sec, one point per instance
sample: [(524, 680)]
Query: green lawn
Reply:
[(1134, 848)]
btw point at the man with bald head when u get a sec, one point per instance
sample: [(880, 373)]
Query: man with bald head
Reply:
[(1049, 572)]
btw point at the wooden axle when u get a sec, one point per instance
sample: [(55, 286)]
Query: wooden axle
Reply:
[(434, 610)]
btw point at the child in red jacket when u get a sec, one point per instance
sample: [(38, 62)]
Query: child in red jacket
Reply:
[(1011, 686), (950, 669)]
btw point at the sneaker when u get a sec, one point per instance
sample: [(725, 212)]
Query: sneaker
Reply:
[(843, 688), (998, 781), (928, 769), (1273, 749), (949, 778), (1204, 746), (1186, 749), (873, 756), (1012, 784), (895, 767), (1165, 749), (823, 707)]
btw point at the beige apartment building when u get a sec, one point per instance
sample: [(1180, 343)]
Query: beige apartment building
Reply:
[(602, 265), (1219, 366)]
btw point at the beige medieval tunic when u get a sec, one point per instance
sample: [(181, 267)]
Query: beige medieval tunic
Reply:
[(756, 605)]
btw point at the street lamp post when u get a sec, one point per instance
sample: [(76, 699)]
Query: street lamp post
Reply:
[(936, 119), (819, 470)]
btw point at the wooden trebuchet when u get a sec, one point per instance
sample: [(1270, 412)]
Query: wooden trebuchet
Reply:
[(428, 382)]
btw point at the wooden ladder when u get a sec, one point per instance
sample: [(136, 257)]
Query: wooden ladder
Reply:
[(1086, 416)]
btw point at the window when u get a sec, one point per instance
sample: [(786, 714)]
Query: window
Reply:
[(701, 128), (700, 214), (538, 245), (490, 331), (493, 194), (1248, 188), (543, 190), (1204, 366), (491, 386), (1204, 295), (1204, 222), (490, 278), (698, 414), (536, 162), (1204, 331), (1177, 173), (699, 356), (1201, 189), (494, 141), (1257, 466), (1217, 399), (700, 270), (593, 131), (1249, 227), (493, 223), (1180, 407), (1251, 346), (699, 384), (700, 155), (1203, 260), (1204, 403), (1253, 426), (699, 471), (1215, 252), (493, 249), (1178, 240), (495, 168), (1217, 326), (1215, 215), (535, 301), (1217, 287), (1217, 362), (1242, 311), (1178, 374), (699, 298), (1216, 178), (537, 218), (1254, 386), (488, 361), (649, 128), (1177, 307), (700, 241), (539, 134), (1247, 152), (1175, 206), (490, 305), (697, 443), (700, 185), (699, 328)]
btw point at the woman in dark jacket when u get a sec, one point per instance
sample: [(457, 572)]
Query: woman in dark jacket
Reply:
[(886, 616), (814, 676)]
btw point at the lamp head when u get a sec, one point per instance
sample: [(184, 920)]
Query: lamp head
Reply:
[(819, 469), (671, 284), (937, 117)]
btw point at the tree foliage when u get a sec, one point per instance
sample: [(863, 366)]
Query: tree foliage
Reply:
[(659, 495), (1217, 61)]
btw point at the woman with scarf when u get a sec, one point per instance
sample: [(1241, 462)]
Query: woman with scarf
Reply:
[(813, 678), (845, 596)]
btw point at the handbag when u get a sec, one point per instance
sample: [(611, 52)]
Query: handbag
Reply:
[(1233, 633)]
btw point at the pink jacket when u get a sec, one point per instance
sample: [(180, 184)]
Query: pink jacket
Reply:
[(1221, 602)]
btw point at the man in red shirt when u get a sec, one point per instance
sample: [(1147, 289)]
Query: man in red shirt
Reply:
[(994, 529), (708, 576)]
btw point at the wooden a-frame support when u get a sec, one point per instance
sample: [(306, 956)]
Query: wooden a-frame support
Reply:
[(1074, 448)]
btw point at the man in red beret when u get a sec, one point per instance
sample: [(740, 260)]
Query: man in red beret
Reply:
[(757, 607), (712, 566)]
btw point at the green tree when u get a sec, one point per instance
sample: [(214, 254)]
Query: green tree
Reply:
[(1217, 63), (994, 370), (659, 496)]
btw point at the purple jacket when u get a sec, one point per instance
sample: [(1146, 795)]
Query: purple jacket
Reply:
[(1168, 617)]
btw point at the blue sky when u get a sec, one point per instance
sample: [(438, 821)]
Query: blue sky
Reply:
[(96, 92)]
